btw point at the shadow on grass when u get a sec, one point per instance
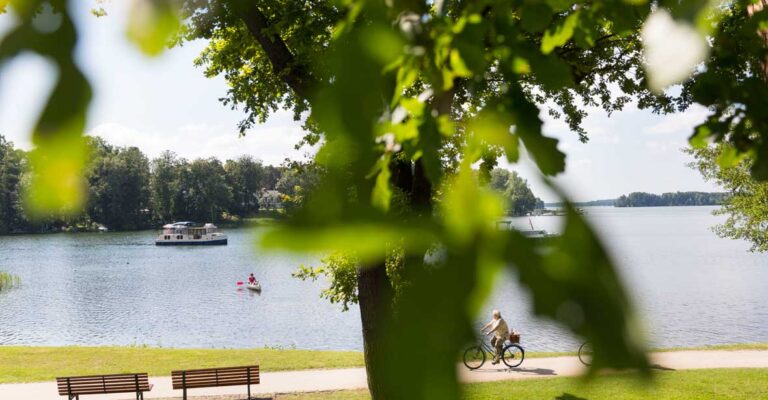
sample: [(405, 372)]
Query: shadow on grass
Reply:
[(533, 371), (568, 396)]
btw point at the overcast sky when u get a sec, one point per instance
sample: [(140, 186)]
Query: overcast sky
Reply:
[(166, 103)]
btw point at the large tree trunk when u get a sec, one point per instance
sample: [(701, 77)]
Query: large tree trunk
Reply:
[(375, 300), (375, 292), (763, 33)]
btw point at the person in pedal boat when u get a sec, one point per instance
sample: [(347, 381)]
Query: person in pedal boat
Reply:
[(252, 280), (500, 330)]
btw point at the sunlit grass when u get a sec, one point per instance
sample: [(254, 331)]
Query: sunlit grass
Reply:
[(679, 385), (742, 346), (31, 364)]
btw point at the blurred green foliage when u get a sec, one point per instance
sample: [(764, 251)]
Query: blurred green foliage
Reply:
[(745, 204), (518, 197), (405, 97)]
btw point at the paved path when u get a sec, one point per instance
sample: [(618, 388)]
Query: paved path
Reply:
[(354, 378)]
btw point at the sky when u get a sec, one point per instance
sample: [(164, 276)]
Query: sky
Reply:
[(166, 103)]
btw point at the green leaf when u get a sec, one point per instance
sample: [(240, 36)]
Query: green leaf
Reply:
[(560, 36), (551, 72), (729, 157), (382, 192), (574, 282), (544, 150), (368, 240), (535, 17), (527, 126), (493, 127), (560, 5), (57, 182), (152, 24), (464, 193), (383, 44), (458, 66), (700, 137)]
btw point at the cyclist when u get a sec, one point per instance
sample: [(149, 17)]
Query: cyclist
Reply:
[(498, 327)]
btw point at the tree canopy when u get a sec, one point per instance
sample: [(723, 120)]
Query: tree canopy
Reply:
[(518, 197), (746, 202), (404, 98), (127, 191)]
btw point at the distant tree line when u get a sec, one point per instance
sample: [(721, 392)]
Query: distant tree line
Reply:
[(642, 199), (128, 191)]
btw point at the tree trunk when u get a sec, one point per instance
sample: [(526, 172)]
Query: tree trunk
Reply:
[(375, 292), (763, 33), (375, 300)]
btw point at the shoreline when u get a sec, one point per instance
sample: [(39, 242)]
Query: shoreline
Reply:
[(248, 222)]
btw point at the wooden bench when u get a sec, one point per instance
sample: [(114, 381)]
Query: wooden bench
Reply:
[(74, 386), (213, 377)]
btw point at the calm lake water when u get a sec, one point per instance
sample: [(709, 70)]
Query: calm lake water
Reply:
[(690, 287)]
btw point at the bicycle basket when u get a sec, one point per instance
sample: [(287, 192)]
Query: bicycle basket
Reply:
[(514, 337)]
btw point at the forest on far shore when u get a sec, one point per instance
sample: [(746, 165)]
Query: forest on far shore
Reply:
[(129, 191), (642, 199)]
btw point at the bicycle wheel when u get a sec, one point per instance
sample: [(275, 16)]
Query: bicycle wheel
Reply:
[(513, 355), (585, 354), (474, 357)]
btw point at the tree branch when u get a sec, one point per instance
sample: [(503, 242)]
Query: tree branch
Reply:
[(280, 56)]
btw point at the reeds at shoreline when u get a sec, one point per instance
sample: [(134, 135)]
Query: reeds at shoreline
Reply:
[(8, 281)]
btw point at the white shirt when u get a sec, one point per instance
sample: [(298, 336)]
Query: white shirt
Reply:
[(500, 328)]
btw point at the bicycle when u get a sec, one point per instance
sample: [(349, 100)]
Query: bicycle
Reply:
[(585, 353), (474, 357)]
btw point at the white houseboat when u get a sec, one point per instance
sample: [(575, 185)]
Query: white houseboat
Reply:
[(187, 233)]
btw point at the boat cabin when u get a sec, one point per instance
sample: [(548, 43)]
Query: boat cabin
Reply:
[(187, 232)]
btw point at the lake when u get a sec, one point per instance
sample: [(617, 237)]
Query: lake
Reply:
[(690, 287)]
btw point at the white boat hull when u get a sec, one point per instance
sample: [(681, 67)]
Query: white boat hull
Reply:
[(192, 242)]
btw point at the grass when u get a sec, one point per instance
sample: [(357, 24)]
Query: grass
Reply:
[(8, 281), (32, 364), (680, 385), (745, 346)]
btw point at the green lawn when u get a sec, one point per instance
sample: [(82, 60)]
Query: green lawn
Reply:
[(747, 346), (30, 364), (747, 384)]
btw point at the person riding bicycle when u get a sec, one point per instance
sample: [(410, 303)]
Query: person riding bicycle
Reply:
[(498, 327)]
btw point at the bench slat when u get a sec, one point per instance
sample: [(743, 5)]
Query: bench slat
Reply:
[(98, 384), (214, 377)]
